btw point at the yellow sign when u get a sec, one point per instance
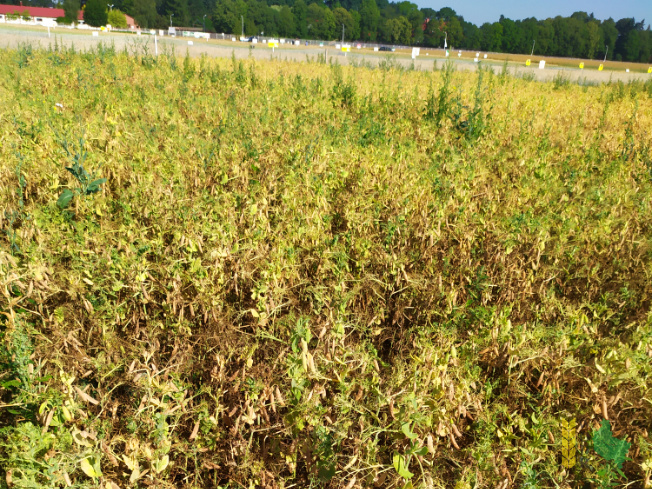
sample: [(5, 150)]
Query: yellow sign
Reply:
[(649, 70), (568, 443), (581, 66), (600, 67), (346, 49), (528, 62), (272, 44)]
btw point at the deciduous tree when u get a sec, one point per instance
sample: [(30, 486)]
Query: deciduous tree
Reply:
[(95, 13), (369, 19), (71, 9)]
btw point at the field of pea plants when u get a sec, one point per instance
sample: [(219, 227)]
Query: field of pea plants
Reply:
[(245, 273)]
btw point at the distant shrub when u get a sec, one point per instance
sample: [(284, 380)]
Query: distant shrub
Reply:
[(117, 19)]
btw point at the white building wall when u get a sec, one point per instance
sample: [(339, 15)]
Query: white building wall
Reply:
[(44, 21)]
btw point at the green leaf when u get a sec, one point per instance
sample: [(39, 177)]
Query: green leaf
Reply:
[(423, 451), (609, 447), (73, 170), (65, 198), (326, 472), (95, 186), (401, 467), (405, 428)]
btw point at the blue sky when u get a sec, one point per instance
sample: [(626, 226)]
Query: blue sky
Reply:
[(481, 11)]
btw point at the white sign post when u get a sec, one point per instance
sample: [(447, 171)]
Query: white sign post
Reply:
[(415, 52), (542, 64)]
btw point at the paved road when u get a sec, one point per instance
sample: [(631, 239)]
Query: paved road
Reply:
[(13, 36)]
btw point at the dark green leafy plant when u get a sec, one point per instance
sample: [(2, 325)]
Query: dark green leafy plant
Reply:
[(88, 184), (323, 450), (15, 350), (609, 447), (440, 108)]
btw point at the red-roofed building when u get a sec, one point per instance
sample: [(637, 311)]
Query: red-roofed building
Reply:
[(42, 15), (36, 15)]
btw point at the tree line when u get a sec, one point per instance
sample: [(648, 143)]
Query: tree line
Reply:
[(581, 35)]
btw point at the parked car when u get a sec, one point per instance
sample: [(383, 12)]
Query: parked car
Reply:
[(386, 48)]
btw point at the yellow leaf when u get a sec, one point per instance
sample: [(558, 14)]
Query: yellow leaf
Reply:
[(43, 408), (148, 452), (160, 464), (89, 469), (135, 475), (80, 439), (66, 413), (129, 462), (568, 443)]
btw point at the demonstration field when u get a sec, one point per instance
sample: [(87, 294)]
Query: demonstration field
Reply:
[(251, 273), (13, 36)]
